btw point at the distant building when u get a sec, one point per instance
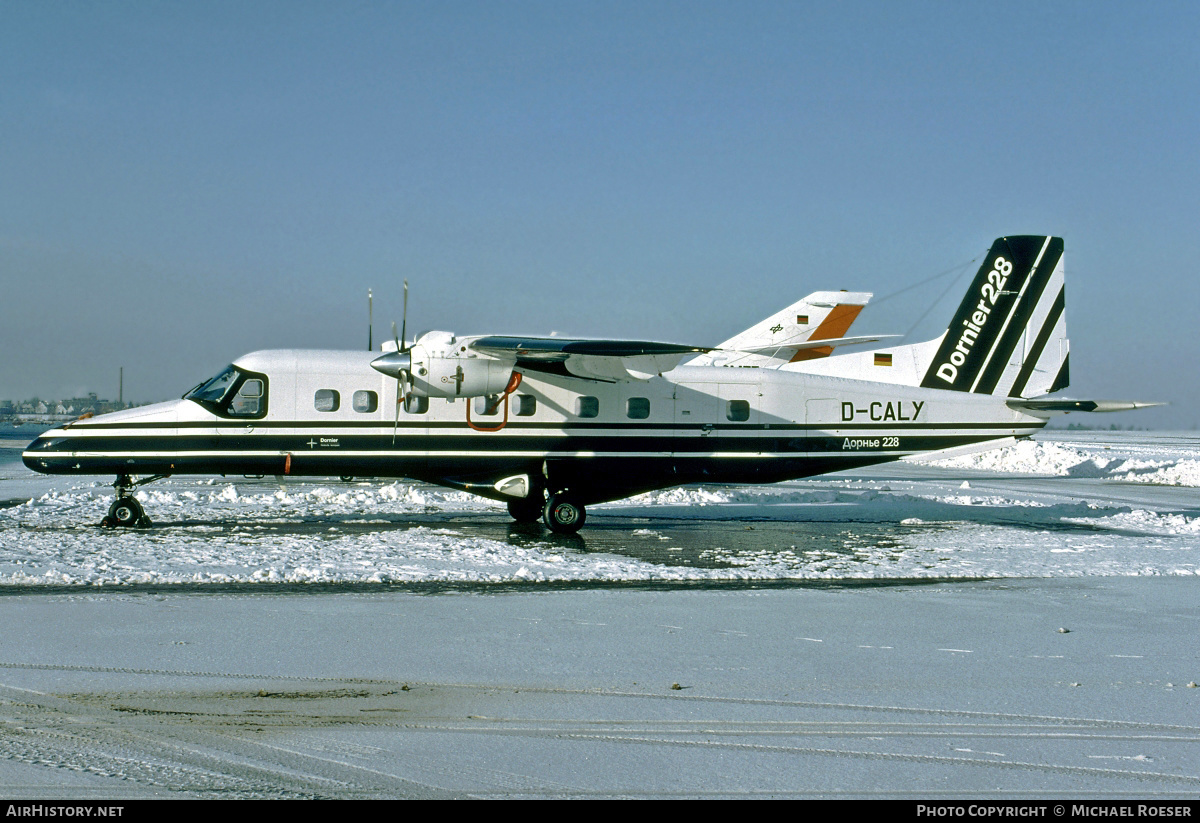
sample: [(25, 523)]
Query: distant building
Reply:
[(59, 410)]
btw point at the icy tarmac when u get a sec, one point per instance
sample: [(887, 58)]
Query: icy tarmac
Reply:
[(1014, 623)]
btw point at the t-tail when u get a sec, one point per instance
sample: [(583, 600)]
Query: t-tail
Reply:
[(1008, 338), (1009, 335)]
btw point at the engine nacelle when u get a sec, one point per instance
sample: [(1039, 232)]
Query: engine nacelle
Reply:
[(442, 366)]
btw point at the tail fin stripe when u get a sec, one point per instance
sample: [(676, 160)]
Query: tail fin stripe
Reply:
[(835, 325), (832, 327), (1039, 345), (1064, 376), (1014, 326)]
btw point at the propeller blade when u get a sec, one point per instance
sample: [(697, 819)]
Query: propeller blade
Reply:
[(399, 399), (399, 364), (404, 323)]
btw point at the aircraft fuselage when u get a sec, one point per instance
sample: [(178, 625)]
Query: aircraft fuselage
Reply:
[(328, 413)]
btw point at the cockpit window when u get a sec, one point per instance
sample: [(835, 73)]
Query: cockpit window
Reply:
[(233, 393), (214, 391)]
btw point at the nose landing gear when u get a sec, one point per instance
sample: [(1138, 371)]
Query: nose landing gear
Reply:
[(126, 512)]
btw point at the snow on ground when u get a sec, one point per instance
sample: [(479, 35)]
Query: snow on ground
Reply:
[(1170, 460), (1063, 505)]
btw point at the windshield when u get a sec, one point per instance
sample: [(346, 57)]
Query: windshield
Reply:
[(233, 393), (214, 390)]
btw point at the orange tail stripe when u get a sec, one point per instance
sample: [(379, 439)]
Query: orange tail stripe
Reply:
[(835, 325)]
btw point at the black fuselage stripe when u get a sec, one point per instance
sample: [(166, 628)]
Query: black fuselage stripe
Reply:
[(382, 446)]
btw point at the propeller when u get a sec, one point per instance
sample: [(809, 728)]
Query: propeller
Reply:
[(397, 364), (403, 376)]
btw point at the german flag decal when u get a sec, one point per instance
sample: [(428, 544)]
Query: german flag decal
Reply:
[(801, 319), (883, 360)]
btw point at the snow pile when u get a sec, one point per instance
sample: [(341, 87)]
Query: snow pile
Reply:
[(1182, 473), (776, 494), (1103, 462), (1030, 457), (684, 496), (1144, 521), (206, 500)]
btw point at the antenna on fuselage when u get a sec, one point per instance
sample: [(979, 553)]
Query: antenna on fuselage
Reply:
[(370, 322)]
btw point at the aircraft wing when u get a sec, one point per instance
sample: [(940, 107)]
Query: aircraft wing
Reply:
[(831, 343), (606, 360)]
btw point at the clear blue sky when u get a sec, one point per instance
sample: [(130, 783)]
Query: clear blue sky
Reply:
[(183, 182)]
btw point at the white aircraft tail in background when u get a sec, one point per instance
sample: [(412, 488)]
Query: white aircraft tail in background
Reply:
[(809, 329)]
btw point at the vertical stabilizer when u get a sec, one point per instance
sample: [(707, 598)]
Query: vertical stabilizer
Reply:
[(1009, 335), (785, 336)]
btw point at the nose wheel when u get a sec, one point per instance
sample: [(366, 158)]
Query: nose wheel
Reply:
[(563, 514), (126, 512)]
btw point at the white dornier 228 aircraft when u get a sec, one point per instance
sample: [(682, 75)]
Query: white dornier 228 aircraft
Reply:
[(551, 425)]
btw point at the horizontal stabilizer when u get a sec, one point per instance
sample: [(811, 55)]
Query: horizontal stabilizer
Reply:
[(1062, 406)]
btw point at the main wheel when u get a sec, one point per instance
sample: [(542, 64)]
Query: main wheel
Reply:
[(126, 512), (563, 515), (527, 509)]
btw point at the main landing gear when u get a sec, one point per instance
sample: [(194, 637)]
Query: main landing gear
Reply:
[(561, 513), (126, 512), (526, 509)]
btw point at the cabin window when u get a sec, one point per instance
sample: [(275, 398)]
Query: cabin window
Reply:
[(737, 410), (365, 401), (526, 405), (414, 404), (587, 407), (637, 408), (487, 405), (327, 400)]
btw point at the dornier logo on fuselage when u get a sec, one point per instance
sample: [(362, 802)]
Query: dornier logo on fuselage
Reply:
[(879, 411)]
